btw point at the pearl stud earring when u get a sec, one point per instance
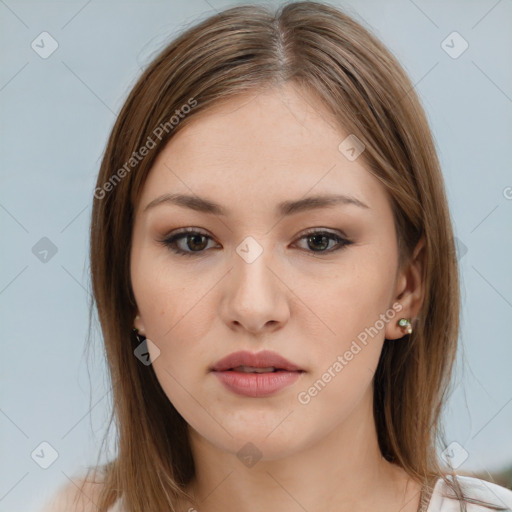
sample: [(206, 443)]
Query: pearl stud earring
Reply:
[(404, 323)]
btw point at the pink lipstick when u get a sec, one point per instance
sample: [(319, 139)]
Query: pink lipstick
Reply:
[(257, 374)]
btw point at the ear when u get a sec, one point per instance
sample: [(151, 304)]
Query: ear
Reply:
[(409, 291), (139, 325)]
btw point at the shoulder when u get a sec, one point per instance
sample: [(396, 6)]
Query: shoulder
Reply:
[(444, 500), (76, 496)]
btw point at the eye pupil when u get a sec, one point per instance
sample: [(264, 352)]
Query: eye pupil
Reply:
[(194, 243), (194, 238), (324, 240)]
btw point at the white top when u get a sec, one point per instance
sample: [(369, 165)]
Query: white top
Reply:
[(472, 487)]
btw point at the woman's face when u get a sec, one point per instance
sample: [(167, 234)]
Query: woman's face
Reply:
[(255, 278)]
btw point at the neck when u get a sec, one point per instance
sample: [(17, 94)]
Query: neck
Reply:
[(342, 471)]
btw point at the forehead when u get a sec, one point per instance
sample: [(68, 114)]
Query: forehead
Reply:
[(261, 148), (275, 124)]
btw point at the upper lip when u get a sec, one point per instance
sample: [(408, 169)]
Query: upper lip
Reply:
[(261, 359)]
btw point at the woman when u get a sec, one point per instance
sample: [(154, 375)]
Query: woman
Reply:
[(274, 268)]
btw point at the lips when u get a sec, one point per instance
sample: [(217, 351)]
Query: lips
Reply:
[(265, 359), (256, 375)]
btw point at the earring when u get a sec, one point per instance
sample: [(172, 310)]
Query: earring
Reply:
[(135, 328), (404, 323), (139, 338), (135, 331)]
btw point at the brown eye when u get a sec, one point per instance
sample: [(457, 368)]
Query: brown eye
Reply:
[(191, 242), (194, 242), (318, 241)]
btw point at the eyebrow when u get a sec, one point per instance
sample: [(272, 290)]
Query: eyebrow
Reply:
[(285, 208)]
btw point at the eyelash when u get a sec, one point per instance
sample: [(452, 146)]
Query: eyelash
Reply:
[(170, 242)]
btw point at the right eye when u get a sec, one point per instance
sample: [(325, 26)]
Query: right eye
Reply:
[(194, 240)]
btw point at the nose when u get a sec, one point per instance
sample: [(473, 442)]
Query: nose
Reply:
[(255, 296)]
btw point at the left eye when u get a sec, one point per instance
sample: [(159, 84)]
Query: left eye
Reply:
[(322, 239), (197, 241)]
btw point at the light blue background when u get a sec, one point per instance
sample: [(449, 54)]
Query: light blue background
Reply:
[(56, 114)]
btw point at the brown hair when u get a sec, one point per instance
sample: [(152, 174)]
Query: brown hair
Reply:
[(244, 49)]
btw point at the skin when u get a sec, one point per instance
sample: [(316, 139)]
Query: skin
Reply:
[(248, 154)]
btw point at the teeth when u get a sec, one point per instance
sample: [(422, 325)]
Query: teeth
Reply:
[(252, 369)]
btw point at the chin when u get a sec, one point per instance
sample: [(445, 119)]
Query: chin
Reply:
[(253, 448), (263, 439)]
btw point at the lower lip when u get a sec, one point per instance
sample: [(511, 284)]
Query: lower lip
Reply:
[(257, 384)]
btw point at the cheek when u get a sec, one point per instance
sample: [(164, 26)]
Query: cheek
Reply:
[(166, 297), (348, 344), (173, 317), (348, 311), (178, 318), (360, 291)]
